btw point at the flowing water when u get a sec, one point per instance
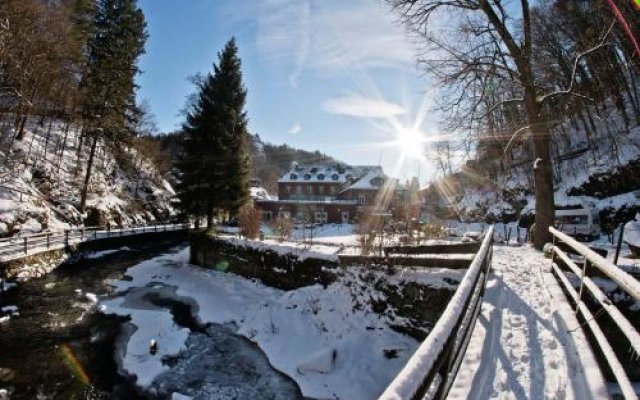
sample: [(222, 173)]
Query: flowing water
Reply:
[(61, 347)]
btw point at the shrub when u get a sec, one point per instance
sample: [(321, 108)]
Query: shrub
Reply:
[(249, 221), (282, 227)]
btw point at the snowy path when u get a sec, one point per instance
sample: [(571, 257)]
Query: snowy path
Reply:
[(521, 347)]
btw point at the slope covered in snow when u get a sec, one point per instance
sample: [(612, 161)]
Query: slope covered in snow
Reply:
[(41, 176)]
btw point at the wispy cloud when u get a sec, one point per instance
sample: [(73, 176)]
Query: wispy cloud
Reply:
[(362, 107), (329, 36), (295, 129)]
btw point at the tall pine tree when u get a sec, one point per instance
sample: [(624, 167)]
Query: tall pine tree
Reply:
[(108, 88), (216, 162)]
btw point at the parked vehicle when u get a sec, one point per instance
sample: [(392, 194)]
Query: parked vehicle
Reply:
[(581, 222), (632, 235)]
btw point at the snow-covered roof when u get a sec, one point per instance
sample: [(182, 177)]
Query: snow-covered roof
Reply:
[(373, 179), (329, 173), (259, 193)]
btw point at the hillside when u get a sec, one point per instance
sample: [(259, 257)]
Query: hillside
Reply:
[(597, 165), (269, 161), (41, 177)]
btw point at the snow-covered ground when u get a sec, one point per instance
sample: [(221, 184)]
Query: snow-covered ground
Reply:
[(327, 339), (527, 343)]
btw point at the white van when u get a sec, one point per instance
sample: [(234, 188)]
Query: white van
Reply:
[(578, 221)]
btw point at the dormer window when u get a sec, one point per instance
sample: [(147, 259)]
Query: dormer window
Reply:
[(377, 181), (320, 177), (313, 170), (307, 177), (341, 170), (349, 177), (293, 177), (334, 177)]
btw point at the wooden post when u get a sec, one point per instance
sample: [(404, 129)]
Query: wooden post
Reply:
[(66, 237), (584, 273), (48, 240), (25, 244), (615, 259)]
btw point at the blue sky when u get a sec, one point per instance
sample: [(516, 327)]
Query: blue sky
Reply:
[(332, 75)]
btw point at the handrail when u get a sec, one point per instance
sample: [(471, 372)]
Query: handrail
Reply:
[(434, 365), (622, 278), (19, 246)]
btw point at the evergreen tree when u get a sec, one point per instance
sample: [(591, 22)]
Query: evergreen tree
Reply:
[(216, 162), (108, 89)]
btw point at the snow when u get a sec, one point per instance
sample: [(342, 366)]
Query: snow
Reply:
[(365, 182), (315, 335), (40, 184), (525, 344), (632, 232), (100, 254)]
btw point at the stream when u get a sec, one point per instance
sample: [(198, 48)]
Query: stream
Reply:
[(61, 347)]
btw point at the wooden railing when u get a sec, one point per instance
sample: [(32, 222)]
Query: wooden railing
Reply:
[(17, 247), (592, 260), (431, 370)]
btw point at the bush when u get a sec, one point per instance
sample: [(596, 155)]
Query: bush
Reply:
[(249, 221), (282, 227)]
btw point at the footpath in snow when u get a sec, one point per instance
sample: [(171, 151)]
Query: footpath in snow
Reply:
[(527, 343)]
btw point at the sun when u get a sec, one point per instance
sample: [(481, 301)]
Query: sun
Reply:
[(410, 142)]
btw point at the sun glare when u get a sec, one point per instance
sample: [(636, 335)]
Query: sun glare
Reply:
[(410, 142)]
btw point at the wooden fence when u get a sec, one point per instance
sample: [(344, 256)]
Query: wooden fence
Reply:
[(431, 370)]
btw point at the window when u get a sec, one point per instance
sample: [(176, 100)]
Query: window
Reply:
[(309, 189), (334, 177), (266, 216), (320, 177), (299, 189), (313, 170), (320, 189), (321, 217), (362, 199), (293, 177), (332, 190), (345, 217), (307, 177)]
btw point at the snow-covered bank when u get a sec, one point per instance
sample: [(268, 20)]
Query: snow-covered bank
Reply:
[(329, 340)]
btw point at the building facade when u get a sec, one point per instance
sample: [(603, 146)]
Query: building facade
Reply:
[(329, 193)]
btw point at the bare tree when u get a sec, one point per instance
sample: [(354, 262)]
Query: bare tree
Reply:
[(485, 64)]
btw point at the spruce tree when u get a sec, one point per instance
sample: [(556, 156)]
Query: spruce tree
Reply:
[(216, 163), (108, 89)]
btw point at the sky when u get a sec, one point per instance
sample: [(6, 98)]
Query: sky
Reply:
[(330, 75)]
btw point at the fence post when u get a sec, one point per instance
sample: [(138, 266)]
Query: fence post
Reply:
[(82, 233), (620, 236), (25, 244), (48, 241), (95, 234), (66, 237), (584, 273)]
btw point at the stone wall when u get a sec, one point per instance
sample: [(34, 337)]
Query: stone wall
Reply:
[(282, 271)]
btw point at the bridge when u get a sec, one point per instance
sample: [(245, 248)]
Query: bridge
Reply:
[(522, 326), (19, 247)]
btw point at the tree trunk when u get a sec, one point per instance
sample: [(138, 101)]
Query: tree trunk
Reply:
[(87, 177), (543, 178)]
